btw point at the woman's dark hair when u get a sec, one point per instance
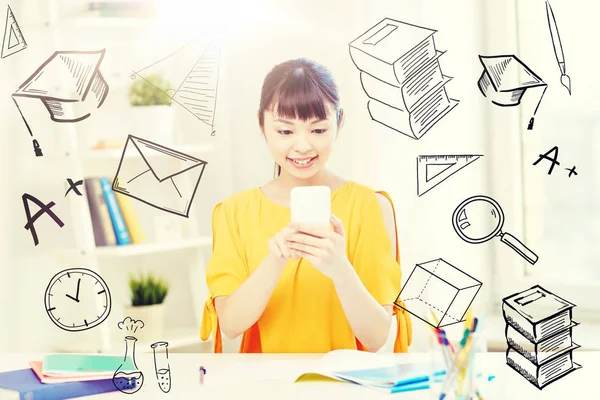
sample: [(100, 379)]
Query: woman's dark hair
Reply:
[(300, 89)]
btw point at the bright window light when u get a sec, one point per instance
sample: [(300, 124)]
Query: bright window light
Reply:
[(222, 17)]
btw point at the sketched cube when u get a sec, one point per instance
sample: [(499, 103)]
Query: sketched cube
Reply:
[(439, 287)]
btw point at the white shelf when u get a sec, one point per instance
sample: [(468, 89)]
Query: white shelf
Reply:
[(177, 338), (147, 248), (102, 154)]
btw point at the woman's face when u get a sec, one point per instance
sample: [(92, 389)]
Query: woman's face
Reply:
[(301, 147)]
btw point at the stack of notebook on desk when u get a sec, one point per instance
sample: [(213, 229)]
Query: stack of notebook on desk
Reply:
[(401, 75), (62, 376), (539, 329)]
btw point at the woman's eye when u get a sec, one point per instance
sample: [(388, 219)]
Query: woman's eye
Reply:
[(285, 132), (320, 131)]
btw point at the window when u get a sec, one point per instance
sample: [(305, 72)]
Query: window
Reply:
[(560, 205)]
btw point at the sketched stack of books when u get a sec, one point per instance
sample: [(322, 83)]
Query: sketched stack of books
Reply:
[(539, 330), (401, 75)]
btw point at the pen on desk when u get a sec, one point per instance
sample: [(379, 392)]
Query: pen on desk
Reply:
[(202, 373)]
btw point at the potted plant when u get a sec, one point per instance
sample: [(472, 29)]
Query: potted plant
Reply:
[(151, 113), (147, 304)]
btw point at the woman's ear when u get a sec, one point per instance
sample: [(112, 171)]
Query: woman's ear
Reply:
[(341, 118), (262, 128)]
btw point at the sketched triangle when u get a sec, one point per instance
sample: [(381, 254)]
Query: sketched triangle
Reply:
[(434, 169), (13, 40)]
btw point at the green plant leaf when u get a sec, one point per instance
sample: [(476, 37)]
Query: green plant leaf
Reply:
[(147, 290), (149, 91)]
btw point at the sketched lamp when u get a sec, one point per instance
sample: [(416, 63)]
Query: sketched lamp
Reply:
[(440, 288)]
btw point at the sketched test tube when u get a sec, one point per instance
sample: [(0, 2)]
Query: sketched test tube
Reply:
[(161, 365)]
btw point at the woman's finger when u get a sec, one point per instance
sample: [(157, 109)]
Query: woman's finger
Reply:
[(283, 248), (274, 248), (306, 239)]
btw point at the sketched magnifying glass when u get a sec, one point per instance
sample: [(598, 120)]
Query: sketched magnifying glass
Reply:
[(480, 218)]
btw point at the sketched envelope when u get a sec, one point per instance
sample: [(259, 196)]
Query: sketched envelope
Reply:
[(160, 177), (67, 77)]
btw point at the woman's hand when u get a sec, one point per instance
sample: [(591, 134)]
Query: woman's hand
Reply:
[(323, 248), (278, 246)]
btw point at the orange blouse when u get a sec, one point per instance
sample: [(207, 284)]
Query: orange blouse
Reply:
[(304, 314)]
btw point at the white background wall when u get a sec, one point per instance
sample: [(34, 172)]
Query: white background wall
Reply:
[(256, 37)]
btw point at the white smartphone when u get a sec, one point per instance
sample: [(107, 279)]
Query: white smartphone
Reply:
[(311, 204)]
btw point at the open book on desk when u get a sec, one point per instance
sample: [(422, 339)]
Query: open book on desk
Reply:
[(377, 371)]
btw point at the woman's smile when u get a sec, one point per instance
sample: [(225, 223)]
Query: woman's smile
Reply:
[(302, 162)]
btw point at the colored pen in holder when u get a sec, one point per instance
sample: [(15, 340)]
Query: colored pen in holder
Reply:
[(464, 377)]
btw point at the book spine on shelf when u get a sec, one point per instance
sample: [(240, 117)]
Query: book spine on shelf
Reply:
[(131, 220), (103, 231), (116, 217)]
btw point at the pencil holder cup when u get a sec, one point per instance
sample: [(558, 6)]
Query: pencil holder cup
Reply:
[(458, 370)]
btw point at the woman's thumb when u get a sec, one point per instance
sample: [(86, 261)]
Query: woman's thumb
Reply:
[(338, 227)]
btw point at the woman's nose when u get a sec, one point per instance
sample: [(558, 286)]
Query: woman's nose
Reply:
[(302, 144)]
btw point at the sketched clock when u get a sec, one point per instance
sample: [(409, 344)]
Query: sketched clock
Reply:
[(77, 299)]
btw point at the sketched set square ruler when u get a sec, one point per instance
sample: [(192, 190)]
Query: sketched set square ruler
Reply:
[(434, 169), (13, 40)]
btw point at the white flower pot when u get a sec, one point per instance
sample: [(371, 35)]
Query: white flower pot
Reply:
[(154, 123), (153, 318)]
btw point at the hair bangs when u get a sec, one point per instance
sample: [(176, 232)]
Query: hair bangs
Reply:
[(300, 97)]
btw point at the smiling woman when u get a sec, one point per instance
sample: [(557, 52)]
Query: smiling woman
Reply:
[(298, 287)]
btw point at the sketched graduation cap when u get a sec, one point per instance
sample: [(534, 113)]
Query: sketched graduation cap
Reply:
[(67, 77), (505, 79)]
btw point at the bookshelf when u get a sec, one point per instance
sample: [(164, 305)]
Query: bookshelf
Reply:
[(150, 248), (84, 161)]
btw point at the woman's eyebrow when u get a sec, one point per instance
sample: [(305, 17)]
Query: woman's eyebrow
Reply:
[(283, 121)]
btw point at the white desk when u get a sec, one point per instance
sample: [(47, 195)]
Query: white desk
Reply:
[(508, 384)]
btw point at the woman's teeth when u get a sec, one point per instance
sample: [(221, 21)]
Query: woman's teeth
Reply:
[(302, 162)]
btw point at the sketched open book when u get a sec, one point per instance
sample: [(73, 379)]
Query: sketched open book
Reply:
[(376, 371)]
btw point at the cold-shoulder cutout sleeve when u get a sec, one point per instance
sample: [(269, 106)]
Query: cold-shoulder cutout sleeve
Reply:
[(225, 270), (378, 269)]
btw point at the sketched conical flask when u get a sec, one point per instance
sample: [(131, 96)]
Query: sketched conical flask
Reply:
[(161, 365), (128, 378)]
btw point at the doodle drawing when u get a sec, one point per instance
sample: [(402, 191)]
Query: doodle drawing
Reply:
[(480, 218), (196, 92), (128, 378), (159, 185), (401, 75), (565, 79), (74, 186), (162, 368), (13, 40), (44, 209), (440, 288), (539, 330), (77, 299), (434, 169), (505, 79), (84, 86)]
